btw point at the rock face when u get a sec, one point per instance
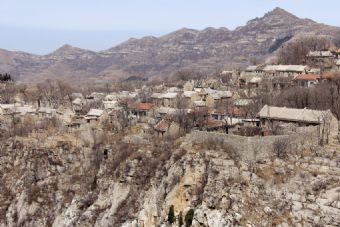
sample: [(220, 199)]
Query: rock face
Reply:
[(150, 56), (65, 185)]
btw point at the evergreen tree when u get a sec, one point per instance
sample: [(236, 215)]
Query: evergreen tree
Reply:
[(180, 219), (171, 215), (189, 217)]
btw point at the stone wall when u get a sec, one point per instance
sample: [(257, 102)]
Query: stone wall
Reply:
[(251, 148)]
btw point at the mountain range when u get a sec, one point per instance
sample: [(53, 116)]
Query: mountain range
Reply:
[(155, 57)]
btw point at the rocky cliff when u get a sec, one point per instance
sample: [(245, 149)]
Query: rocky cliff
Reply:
[(209, 49), (62, 183)]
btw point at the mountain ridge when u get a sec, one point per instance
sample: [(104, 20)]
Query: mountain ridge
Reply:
[(151, 56)]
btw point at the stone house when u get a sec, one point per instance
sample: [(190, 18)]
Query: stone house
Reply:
[(279, 83), (170, 99), (166, 128), (94, 116), (157, 99), (306, 80), (77, 104), (272, 116), (141, 109), (284, 70), (320, 54), (24, 110), (161, 112), (46, 112), (191, 97), (65, 114), (189, 85), (217, 98), (7, 109), (110, 105)]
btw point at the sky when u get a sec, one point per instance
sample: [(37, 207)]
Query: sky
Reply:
[(41, 26)]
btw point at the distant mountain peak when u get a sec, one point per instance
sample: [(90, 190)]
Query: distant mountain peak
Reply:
[(279, 12), (66, 49), (161, 56)]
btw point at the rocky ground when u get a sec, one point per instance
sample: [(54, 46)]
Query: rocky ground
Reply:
[(61, 182)]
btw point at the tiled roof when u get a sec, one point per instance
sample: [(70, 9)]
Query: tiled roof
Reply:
[(162, 126), (213, 123), (236, 112), (307, 77), (141, 106), (328, 75)]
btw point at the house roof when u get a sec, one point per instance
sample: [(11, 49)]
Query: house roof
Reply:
[(215, 96), (213, 123), (169, 95), (64, 110), (251, 68), (110, 104), (329, 75), (326, 53), (125, 101), (285, 68), (243, 102), (173, 89), (189, 94), (141, 106), (291, 114), (156, 96), (166, 110), (95, 112), (255, 80), (162, 126), (7, 106), (77, 101), (47, 110), (22, 110), (225, 94), (203, 91), (110, 97), (200, 103), (307, 77)]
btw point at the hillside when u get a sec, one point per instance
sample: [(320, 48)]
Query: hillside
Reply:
[(50, 181), (150, 56)]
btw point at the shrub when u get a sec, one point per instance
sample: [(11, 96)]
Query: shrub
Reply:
[(189, 217), (280, 147), (171, 215)]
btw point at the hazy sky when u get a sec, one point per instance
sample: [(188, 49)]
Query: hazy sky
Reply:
[(40, 26)]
